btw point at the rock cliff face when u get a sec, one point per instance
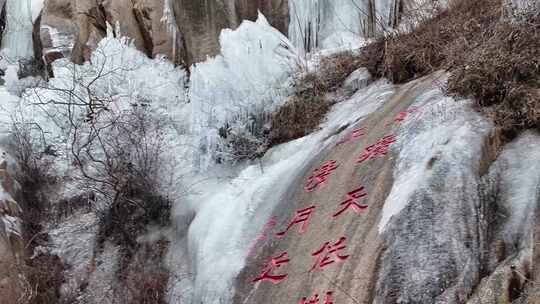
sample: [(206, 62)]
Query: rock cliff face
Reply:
[(441, 217), (201, 22), (74, 27), (11, 243), (191, 31)]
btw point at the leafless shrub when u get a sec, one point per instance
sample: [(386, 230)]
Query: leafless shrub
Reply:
[(145, 277), (44, 275), (305, 110), (117, 149), (503, 74), (245, 137), (298, 117)]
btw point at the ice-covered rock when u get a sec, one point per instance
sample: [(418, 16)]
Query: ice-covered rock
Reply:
[(437, 209), (358, 79), (74, 28)]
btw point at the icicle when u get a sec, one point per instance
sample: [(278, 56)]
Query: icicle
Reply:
[(170, 20), (322, 24)]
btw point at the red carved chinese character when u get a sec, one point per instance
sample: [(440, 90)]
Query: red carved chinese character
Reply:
[(262, 237), (403, 115), (315, 299), (324, 254), (272, 265), (358, 132), (301, 217), (355, 134), (271, 223), (320, 176), (352, 201), (378, 149)]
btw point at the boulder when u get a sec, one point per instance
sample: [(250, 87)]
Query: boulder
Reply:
[(358, 79)]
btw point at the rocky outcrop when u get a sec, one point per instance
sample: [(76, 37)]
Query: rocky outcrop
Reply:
[(441, 217), (72, 28), (57, 29), (187, 31), (200, 22), (11, 243)]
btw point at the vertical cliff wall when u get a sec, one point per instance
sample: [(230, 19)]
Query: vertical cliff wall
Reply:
[(189, 30), (11, 242), (201, 22)]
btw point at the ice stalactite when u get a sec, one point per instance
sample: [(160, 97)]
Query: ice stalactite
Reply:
[(17, 40), (329, 24), (169, 19)]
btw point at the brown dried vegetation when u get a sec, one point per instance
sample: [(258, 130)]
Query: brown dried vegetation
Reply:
[(491, 59), (305, 110)]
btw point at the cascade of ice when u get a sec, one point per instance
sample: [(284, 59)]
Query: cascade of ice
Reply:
[(328, 24), (325, 23), (170, 20), (17, 39)]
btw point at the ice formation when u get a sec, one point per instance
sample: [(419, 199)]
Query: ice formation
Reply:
[(17, 37), (319, 24), (249, 76), (230, 204), (231, 210)]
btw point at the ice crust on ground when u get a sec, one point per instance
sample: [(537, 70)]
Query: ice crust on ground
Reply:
[(429, 219), (518, 168), (436, 219)]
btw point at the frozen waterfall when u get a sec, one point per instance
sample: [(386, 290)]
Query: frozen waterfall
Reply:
[(344, 24), (325, 23), (17, 38)]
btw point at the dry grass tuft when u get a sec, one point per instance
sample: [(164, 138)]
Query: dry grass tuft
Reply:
[(303, 113), (490, 59)]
